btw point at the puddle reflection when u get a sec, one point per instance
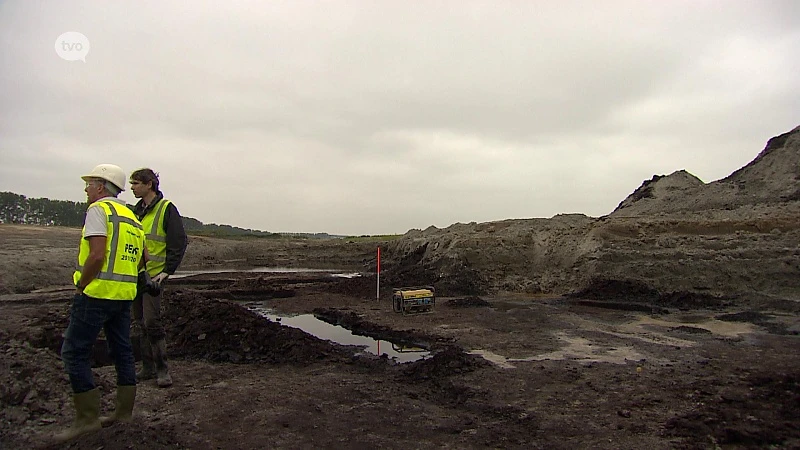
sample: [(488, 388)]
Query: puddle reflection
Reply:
[(340, 335)]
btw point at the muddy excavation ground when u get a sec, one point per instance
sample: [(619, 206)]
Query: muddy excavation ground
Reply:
[(506, 371)]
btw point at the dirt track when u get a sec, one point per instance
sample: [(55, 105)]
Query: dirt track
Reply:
[(564, 372)]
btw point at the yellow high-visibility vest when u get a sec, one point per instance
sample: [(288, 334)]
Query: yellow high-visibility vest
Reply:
[(124, 249), (156, 237)]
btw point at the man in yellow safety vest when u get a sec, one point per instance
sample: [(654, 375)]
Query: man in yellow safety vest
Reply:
[(111, 252), (166, 244)]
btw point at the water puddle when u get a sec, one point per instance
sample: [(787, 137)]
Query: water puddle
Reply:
[(717, 327), (331, 272), (498, 360), (576, 349), (644, 329), (334, 333)]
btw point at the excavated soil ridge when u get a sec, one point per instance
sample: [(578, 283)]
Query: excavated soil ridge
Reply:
[(219, 331), (472, 301), (622, 292)]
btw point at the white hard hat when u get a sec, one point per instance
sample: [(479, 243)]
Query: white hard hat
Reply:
[(108, 172)]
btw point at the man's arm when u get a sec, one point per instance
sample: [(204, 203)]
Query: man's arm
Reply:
[(176, 239), (94, 262), (144, 259)]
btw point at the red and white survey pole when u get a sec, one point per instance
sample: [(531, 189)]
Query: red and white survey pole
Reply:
[(378, 289)]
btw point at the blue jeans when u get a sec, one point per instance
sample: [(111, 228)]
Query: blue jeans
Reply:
[(87, 317)]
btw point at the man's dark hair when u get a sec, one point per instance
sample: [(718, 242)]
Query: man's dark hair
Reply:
[(146, 176)]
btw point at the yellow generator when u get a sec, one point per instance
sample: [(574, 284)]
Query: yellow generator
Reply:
[(413, 299)]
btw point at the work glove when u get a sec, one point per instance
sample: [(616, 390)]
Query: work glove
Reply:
[(160, 278)]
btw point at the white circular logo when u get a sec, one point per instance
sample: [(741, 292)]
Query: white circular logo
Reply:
[(72, 46)]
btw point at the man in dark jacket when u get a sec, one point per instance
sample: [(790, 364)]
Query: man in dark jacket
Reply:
[(166, 244)]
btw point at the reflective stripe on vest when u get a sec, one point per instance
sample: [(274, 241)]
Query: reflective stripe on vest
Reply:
[(156, 237), (124, 247)]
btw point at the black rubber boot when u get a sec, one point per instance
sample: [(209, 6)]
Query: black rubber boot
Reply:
[(148, 371), (160, 358)]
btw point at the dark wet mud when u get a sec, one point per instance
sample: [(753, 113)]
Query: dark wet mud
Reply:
[(467, 302), (578, 373)]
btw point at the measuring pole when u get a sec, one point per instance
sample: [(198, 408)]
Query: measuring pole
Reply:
[(378, 289)]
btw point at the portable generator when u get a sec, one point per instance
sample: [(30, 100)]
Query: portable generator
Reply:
[(413, 299)]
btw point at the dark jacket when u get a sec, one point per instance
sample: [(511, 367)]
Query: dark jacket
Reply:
[(173, 226)]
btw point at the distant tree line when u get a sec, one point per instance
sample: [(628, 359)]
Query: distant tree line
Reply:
[(15, 208), (18, 209), (194, 226)]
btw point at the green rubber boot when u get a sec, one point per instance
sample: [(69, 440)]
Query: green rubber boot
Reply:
[(87, 416), (123, 411)]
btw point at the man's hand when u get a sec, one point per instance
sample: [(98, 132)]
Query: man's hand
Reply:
[(94, 262), (160, 278)]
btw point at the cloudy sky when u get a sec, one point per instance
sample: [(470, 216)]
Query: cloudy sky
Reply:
[(376, 117)]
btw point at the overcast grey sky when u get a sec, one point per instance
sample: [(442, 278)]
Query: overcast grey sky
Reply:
[(374, 117)]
